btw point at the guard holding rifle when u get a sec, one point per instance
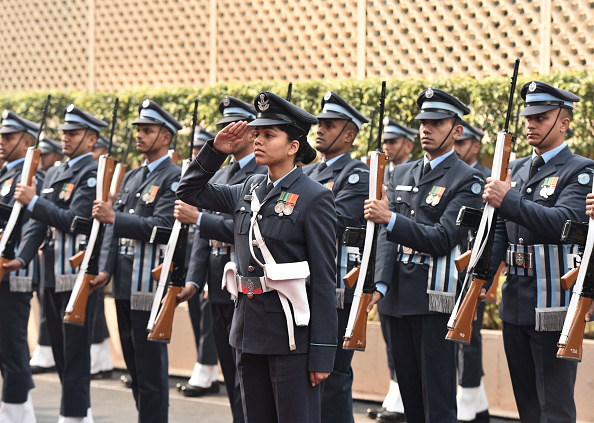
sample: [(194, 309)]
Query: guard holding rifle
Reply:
[(420, 213), (16, 136), (541, 192), (67, 192), (146, 199), (348, 179)]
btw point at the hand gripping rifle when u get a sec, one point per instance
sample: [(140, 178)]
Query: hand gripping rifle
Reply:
[(76, 309), (572, 334), (12, 230), (160, 325), (478, 259), (355, 334)]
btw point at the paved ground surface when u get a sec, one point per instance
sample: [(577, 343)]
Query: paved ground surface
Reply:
[(113, 403)]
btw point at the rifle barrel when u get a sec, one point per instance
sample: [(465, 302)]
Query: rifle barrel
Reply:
[(289, 91), (194, 123), (381, 116), (114, 118), (43, 117), (510, 104)]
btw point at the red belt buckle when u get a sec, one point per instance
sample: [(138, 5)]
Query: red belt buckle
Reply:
[(249, 289)]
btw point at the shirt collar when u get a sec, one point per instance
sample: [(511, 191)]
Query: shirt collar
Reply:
[(72, 162), (332, 160), (435, 162), (551, 153), (245, 160), (12, 164), (280, 179), (153, 165)]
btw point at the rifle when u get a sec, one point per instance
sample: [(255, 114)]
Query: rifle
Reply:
[(572, 334), (160, 325), (76, 309), (370, 139), (479, 258), (12, 230), (172, 153), (289, 91), (355, 333)]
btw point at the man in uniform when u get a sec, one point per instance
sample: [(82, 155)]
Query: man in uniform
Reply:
[(204, 378), (540, 193), (419, 212), (51, 153), (68, 191), (398, 144), (16, 136), (473, 405), (101, 147), (213, 245), (146, 199), (348, 179)]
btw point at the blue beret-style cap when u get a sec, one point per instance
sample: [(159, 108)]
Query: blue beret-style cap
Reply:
[(11, 123), (393, 130), (201, 136), (437, 104), (150, 113), (75, 118), (335, 107), (541, 97), (471, 132), (235, 110)]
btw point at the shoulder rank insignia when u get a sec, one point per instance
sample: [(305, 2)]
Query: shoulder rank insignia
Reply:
[(548, 186), (434, 196), (6, 187), (66, 192), (583, 178), (329, 185), (150, 193), (285, 203)]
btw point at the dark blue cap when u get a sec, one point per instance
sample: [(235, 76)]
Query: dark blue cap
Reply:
[(393, 130), (541, 97), (150, 113), (201, 136), (75, 118), (11, 123), (335, 107), (48, 145), (235, 110), (437, 104), (103, 142), (471, 132)]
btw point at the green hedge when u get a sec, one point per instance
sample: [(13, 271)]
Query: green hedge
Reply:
[(486, 97)]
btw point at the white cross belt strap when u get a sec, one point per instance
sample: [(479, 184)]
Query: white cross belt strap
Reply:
[(288, 279)]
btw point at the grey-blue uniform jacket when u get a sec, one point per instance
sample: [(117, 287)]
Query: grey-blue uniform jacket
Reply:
[(66, 193), (528, 218), (217, 226), (308, 233), (426, 227), (126, 253), (348, 179), (24, 279)]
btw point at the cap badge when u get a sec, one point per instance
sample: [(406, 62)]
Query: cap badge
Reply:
[(328, 95), (226, 102), (5, 114), (532, 86), (146, 103), (70, 108), (263, 103), (429, 93)]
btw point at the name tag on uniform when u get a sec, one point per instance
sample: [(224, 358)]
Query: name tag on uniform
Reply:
[(47, 191), (404, 188), (513, 184)]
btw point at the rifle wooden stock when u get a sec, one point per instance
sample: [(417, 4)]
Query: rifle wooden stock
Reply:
[(156, 272), (491, 296), (77, 259), (79, 312), (164, 323), (568, 279), (572, 350), (3, 261), (350, 279), (462, 329), (34, 165), (109, 169), (463, 260), (119, 172), (359, 339)]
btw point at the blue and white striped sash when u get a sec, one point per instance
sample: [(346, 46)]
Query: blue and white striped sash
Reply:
[(146, 257), (65, 245)]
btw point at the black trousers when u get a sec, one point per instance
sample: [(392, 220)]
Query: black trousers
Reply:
[(71, 345), (200, 315), (146, 362), (470, 357)]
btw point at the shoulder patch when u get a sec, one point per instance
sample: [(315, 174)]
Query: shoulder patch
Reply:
[(476, 188), (174, 186), (361, 169), (479, 178), (354, 178), (583, 178), (92, 182)]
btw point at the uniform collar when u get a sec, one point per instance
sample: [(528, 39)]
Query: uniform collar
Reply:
[(245, 160), (72, 162), (153, 165), (279, 179), (11, 165), (435, 162), (332, 160), (550, 154)]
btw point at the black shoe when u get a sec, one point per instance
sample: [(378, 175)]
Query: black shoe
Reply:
[(197, 391), (373, 412), (36, 370), (482, 417), (126, 380), (390, 416), (178, 386), (105, 374)]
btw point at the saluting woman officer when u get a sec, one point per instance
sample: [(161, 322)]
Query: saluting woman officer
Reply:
[(280, 364)]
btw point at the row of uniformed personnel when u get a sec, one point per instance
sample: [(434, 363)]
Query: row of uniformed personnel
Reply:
[(291, 220)]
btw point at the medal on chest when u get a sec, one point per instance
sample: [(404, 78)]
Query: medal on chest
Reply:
[(329, 185), (548, 186), (285, 203), (6, 187), (150, 193), (66, 192), (434, 196)]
